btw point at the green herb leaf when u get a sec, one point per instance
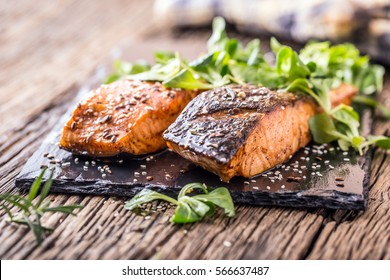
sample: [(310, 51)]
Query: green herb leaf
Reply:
[(220, 197), (323, 129), (32, 213), (146, 196), (189, 208)]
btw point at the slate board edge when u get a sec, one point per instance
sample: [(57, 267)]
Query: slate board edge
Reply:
[(250, 198)]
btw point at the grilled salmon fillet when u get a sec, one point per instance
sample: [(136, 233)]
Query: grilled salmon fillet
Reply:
[(123, 117), (243, 129)]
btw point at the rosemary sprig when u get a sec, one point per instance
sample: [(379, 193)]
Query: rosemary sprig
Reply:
[(30, 209)]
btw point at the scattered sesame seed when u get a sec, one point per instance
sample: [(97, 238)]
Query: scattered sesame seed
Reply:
[(65, 164), (85, 168), (345, 153), (147, 218), (135, 180), (346, 159), (93, 163), (331, 166), (86, 163), (256, 188), (283, 186), (144, 173), (149, 178), (227, 243), (76, 160), (326, 161), (104, 175), (268, 187), (339, 179), (341, 185), (136, 174), (142, 166), (246, 183)]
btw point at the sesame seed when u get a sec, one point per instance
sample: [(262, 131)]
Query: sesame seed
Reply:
[(345, 153), (283, 186), (341, 185), (339, 179), (326, 161), (136, 174), (142, 166), (256, 188), (346, 159), (85, 168), (227, 243), (104, 175), (76, 160), (331, 166), (86, 163), (246, 183), (268, 187), (149, 178), (93, 163), (65, 164), (135, 180), (147, 218)]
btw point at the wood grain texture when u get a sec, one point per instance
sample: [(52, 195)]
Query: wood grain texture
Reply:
[(48, 50)]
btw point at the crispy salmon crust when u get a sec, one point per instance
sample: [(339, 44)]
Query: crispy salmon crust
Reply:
[(243, 129), (123, 117)]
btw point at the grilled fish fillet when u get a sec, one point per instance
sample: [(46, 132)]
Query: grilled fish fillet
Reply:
[(243, 129), (123, 117)]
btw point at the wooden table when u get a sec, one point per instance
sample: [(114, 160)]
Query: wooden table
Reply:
[(48, 49)]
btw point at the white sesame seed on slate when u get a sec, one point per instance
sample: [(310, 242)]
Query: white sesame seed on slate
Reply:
[(346, 159), (268, 187), (104, 175)]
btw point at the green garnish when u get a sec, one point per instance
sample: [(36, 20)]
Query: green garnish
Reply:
[(189, 209), (29, 213), (314, 70)]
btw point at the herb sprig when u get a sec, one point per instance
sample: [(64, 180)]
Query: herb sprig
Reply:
[(30, 209), (189, 209), (314, 70)]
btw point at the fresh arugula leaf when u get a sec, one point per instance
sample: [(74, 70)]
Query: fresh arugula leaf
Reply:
[(189, 208)]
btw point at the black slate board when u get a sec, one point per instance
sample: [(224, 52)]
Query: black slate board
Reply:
[(317, 187)]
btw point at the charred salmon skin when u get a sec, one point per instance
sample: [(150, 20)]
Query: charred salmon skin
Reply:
[(123, 117), (243, 129)]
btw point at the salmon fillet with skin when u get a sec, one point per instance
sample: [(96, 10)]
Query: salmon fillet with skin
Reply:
[(123, 117), (243, 129)]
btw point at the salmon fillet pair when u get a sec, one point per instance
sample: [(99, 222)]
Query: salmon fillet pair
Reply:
[(234, 130)]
